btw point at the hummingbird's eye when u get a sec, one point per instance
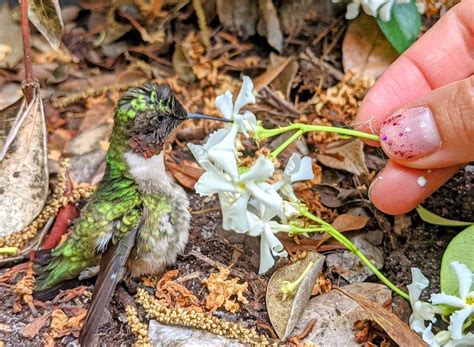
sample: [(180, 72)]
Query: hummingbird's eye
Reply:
[(160, 118)]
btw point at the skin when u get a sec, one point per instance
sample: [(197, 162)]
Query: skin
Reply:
[(436, 72)]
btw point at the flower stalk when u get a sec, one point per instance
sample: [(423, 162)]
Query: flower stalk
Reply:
[(289, 288)]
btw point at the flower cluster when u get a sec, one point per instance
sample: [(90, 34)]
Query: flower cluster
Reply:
[(249, 202), (459, 309), (374, 8)]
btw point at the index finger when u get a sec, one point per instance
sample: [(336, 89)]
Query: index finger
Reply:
[(444, 54)]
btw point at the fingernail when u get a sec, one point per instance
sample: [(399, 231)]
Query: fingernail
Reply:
[(410, 135), (375, 181)]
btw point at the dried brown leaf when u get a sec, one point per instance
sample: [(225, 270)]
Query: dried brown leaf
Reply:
[(365, 50), (33, 328), (187, 173), (347, 222), (272, 71), (238, 15), (62, 325), (345, 155), (269, 24), (11, 49), (173, 294), (10, 93), (398, 330), (46, 16), (24, 169)]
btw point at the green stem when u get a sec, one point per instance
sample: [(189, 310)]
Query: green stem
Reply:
[(350, 246), (9, 250), (285, 144), (263, 133), (297, 230)]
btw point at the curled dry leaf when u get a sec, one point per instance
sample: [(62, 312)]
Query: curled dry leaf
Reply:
[(346, 222), (399, 331), (345, 155), (32, 329), (223, 292), (284, 313), (46, 16), (173, 294), (269, 24), (23, 289), (24, 169), (187, 173), (365, 50)]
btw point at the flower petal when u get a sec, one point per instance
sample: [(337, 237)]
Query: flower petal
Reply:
[(466, 340), (275, 245), (464, 276), (224, 104), (223, 154), (201, 155), (226, 200), (429, 337), (352, 10), (450, 300), (419, 282), (256, 225), (212, 182), (457, 320), (245, 95), (260, 170), (305, 171), (270, 199), (238, 214), (385, 11), (266, 258)]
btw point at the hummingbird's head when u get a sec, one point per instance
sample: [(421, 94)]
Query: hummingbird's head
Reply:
[(148, 115)]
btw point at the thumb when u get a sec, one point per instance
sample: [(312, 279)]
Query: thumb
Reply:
[(436, 131)]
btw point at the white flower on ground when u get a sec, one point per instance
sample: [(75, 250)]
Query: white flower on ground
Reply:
[(297, 169), (382, 8), (243, 122), (422, 310), (464, 303)]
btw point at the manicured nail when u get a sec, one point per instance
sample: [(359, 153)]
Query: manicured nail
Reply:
[(411, 134)]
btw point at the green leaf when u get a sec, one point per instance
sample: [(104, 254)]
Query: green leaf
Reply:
[(461, 248), (430, 217), (403, 27)]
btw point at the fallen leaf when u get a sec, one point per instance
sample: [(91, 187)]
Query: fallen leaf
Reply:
[(169, 335), (239, 16), (350, 267), (293, 14), (221, 291), (23, 289), (365, 50), (346, 222), (33, 328), (284, 313), (272, 71), (345, 155), (401, 223), (11, 48), (335, 314), (186, 173), (173, 294), (24, 169), (69, 294), (46, 17), (398, 330), (182, 65), (10, 93), (284, 81), (269, 24)]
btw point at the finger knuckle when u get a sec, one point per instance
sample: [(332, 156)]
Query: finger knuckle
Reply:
[(463, 107)]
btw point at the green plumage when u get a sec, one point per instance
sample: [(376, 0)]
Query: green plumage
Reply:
[(144, 118)]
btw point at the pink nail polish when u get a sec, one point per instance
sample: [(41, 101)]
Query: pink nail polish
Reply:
[(410, 135)]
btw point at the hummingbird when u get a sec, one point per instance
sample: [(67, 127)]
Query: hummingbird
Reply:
[(137, 221)]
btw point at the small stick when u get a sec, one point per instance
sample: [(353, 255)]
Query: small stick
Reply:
[(30, 81)]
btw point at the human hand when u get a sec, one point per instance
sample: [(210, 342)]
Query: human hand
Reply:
[(422, 108)]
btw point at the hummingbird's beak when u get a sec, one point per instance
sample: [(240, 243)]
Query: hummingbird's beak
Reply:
[(192, 115)]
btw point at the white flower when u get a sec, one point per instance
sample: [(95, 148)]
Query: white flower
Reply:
[(297, 169), (382, 8), (421, 310), (464, 302), (243, 122)]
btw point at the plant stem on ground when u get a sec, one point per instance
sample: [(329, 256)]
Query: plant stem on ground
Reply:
[(30, 81)]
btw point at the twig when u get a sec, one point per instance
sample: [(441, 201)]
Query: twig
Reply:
[(273, 99), (216, 264), (30, 81), (308, 55)]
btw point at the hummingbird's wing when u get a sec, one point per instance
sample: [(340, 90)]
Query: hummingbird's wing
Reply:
[(112, 270)]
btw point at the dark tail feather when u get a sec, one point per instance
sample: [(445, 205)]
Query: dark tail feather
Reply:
[(43, 257), (112, 270), (50, 293)]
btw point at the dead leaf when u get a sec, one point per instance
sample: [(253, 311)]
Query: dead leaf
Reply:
[(335, 314), (345, 155), (401, 223), (23, 289), (284, 81), (350, 267), (10, 93), (182, 65), (89, 140), (11, 48), (223, 292), (346, 222), (399, 331), (238, 16), (24, 169), (46, 16), (173, 294), (269, 24), (187, 173), (33, 328), (284, 313), (272, 71), (365, 50)]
